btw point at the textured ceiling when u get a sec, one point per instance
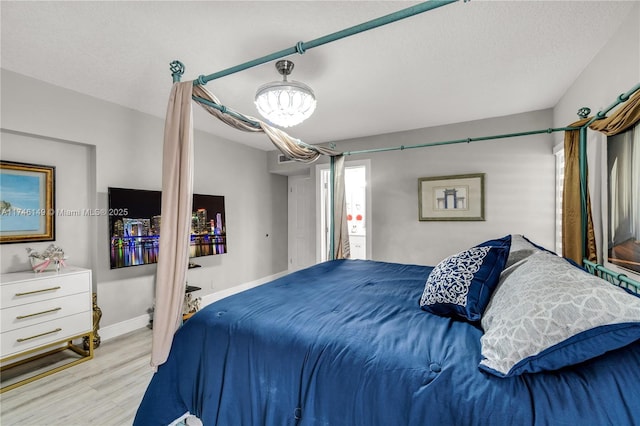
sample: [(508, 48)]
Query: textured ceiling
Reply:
[(460, 62)]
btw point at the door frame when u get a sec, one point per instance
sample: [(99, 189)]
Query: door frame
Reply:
[(319, 205)]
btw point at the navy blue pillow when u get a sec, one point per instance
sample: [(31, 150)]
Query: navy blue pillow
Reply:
[(461, 285), (500, 242)]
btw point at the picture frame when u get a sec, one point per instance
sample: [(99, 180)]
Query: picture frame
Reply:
[(27, 202), (456, 197)]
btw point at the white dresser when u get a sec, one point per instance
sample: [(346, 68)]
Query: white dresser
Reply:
[(43, 313)]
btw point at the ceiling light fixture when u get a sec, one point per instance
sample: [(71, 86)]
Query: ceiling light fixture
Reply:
[(285, 103)]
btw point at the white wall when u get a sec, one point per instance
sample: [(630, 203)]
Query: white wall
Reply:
[(74, 184), (105, 145), (519, 185), (614, 70)]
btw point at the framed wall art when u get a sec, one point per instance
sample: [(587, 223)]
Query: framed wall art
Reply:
[(457, 197), (27, 202)]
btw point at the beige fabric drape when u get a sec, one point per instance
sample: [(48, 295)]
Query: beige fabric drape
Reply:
[(177, 190), (297, 150), (571, 204), (624, 118), (341, 230), (291, 147)]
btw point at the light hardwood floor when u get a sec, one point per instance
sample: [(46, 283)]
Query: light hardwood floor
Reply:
[(103, 391)]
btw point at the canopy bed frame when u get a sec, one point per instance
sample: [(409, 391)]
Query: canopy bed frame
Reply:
[(188, 393), (178, 68)]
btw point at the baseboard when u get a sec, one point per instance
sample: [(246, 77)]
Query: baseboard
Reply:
[(214, 297), (133, 324), (124, 327)]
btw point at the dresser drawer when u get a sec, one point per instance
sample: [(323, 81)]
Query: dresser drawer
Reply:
[(33, 336), (47, 310), (39, 289)]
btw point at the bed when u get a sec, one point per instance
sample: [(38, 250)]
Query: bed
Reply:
[(353, 342)]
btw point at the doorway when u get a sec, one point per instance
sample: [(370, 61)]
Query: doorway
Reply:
[(358, 200)]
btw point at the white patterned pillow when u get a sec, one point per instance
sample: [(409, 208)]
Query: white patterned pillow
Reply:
[(461, 285), (548, 314), (521, 248)]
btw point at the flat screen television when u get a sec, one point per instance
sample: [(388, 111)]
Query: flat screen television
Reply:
[(135, 226)]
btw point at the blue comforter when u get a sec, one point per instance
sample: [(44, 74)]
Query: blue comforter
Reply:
[(345, 343)]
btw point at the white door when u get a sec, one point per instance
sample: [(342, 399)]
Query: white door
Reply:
[(301, 223)]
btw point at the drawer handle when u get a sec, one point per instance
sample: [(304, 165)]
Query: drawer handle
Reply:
[(40, 335), (38, 291), (38, 313)]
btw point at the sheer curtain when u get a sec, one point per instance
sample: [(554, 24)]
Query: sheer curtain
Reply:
[(625, 117), (627, 176), (177, 189), (341, 229), (291, 147), (635, 183), (597, 181)]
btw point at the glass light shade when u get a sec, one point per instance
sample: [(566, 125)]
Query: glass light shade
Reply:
[(285, 103)]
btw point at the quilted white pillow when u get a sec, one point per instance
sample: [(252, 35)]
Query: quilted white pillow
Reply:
[(521, 248), (548, 314)]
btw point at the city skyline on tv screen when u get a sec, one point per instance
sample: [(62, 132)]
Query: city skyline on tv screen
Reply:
[(135, 226)]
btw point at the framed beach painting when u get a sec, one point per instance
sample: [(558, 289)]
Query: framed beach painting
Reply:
[(457, 197), (27, 202)]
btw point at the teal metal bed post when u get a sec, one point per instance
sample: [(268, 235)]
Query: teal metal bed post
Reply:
[(582, 161), (302, 47), (177, 69), (332, 219), (619, 100), (613, 277), (466, 140)]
